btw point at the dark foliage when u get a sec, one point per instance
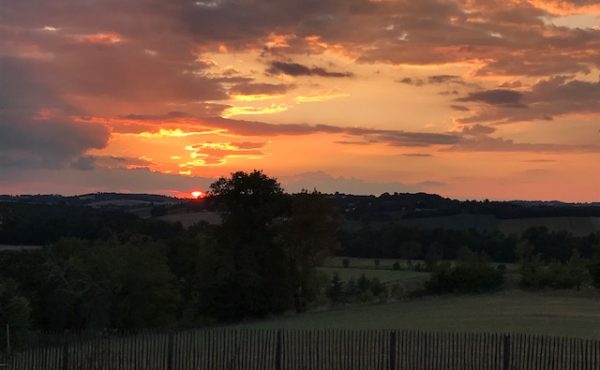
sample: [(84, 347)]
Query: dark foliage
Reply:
[(473, 277)]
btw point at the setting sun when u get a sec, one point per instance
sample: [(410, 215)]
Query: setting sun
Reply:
[(197, 194)]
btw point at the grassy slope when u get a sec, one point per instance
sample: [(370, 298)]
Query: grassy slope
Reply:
[(518, 312)]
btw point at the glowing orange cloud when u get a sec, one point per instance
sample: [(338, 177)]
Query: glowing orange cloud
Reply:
[(239, 111), (560, 7), (102, 38)]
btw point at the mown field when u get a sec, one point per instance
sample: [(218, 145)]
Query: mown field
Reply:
[(557, 314)]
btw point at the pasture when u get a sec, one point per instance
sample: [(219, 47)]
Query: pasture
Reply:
[(553, 314)]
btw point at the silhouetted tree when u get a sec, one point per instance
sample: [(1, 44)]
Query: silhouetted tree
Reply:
[(255, 274), (335, 291), (309, 235)]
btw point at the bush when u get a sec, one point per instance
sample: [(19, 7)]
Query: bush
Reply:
[(361, 290), (396, 266), (379, 290), (473, 277), (555, 275)]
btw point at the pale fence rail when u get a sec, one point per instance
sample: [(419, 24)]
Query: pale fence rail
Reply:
[(319, 349)]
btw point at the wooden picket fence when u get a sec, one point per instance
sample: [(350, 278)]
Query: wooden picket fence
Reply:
[(255, 349)]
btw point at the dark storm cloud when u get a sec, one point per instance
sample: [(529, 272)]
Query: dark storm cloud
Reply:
[(497, 144), (545, 100), (432, 80), (358, 135), (472, 138), (90, 162), (260, 89), (460, 108), (440, 79), (411, 81), (369, 135), (36, 128), (478, 130), (74, 181), (108, 58), (510, 37), (507, 98), (476, 138), (297, 70)]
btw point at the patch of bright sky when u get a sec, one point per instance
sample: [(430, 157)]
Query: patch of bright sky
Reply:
[(575, 21), (571, 129), (372, 98)]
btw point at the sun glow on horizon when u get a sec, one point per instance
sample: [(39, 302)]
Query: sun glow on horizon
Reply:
[(197, 194)]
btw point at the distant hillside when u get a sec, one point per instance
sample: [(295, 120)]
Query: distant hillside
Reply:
[(104, 200), (419, 210), (578, 226)]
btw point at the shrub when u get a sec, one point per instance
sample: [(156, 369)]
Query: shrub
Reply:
[(471, 277), (555, 275)]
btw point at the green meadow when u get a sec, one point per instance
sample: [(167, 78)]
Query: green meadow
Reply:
[(556, 314)]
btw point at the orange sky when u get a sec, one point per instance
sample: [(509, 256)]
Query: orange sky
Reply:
[(466, 98)]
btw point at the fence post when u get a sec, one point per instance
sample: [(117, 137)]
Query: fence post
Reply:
[(65, 356), (170, 351), (392, 350), (278, 351), (506, 353)]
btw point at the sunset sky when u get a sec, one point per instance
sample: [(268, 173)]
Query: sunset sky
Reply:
[(470, 99)]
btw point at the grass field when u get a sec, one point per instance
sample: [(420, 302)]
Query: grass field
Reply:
[(384, 275), (516, 312)]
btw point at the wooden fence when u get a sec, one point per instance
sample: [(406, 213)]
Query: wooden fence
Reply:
[(249, 349)]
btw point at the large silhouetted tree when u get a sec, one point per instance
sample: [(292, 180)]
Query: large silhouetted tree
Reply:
[(253, 267)]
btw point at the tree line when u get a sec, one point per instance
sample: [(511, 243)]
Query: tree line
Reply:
[(260, 261), (110, 269)]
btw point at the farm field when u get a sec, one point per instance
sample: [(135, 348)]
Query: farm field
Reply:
[(189, 219), (554, 314), (384, 275)]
